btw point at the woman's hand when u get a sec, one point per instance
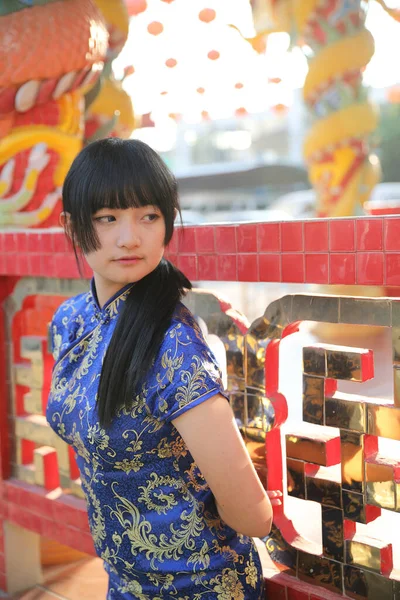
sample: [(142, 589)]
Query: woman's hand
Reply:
[(275, 497)]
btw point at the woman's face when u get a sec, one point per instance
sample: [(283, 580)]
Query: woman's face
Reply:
[(131, 247)]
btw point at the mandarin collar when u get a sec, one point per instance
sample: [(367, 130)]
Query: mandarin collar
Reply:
[(108, 305)]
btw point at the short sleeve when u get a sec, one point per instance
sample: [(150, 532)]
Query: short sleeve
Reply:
[(185, 374)]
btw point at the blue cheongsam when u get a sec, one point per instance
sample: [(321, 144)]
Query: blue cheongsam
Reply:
[(152, 515)]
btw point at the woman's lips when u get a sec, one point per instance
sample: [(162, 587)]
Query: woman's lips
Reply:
[(128, 260)]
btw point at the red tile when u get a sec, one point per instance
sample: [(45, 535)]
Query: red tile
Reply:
[(247, 267), (227, 267), (36, 524), (369, 234), (60, 242), (297, 595), (33, 241), (391, 231), (11, 260), (35, 267), (205, 242), (225, 239), (341, 235), (369, 268), (316, 236), (292, 268), (40, 242), (171, 257), (342, 269), (48, 265), (22, 242), (247, 238), (269, 266), (269, 237), (10, 242), (392, 269), (173, 245), (317, 268), (188, 265), (23, 264), (65, 266), (275, 590), (207, 267), (187, 240), (2, 236), (292, 236)]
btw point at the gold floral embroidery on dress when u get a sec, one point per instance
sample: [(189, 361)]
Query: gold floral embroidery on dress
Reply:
[(140, 532)]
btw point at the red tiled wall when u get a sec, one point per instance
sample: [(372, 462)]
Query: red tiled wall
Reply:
[(362, 251)]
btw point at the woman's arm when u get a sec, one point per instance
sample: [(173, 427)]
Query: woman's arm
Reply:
[(213, 439)]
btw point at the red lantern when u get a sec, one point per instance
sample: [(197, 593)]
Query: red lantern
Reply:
[(280, 108), (135, 7), (169, 1), (207, 15), (239, 85), (171, 63), (241, 112), (155, 28), (213, 55), (200, 90)]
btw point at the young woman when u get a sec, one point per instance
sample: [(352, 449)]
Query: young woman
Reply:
[(173, 498)]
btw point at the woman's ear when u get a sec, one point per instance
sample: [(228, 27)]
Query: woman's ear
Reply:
[(65, 222)]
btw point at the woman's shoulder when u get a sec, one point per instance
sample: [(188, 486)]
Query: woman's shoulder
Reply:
[(184, 327), (72, 314), (70, 308)]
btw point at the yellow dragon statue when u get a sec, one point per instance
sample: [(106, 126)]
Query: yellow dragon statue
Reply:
[(338, 151)]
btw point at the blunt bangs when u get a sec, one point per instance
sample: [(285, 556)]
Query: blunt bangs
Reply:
[(116, 174)]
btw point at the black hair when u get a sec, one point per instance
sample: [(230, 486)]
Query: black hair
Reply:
[(119, 174)]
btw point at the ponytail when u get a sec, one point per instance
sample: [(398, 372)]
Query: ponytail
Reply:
[(137, 337)]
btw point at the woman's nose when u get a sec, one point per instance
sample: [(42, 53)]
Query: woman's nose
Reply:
[(128, 237)]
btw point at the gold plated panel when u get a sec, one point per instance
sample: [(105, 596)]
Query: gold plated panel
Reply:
[(332, 533), (396, 386), (352, 450), (396, 343), (354, 507), (315, 449), (361, 584), (343, 364), (324, 489), (365, 311), (381, 493), (314, 361), (296, 482), (313, 399), (364, 553), (318, 308), (346, 414), (320, 571), (383, 420)]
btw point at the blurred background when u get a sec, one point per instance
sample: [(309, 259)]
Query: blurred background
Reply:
[(230, 119)]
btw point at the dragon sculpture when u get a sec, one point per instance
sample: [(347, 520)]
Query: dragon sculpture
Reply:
[(56, 91), (338, 149)]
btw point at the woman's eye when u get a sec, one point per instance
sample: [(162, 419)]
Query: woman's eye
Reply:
[(105, 219), (152, 217)]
